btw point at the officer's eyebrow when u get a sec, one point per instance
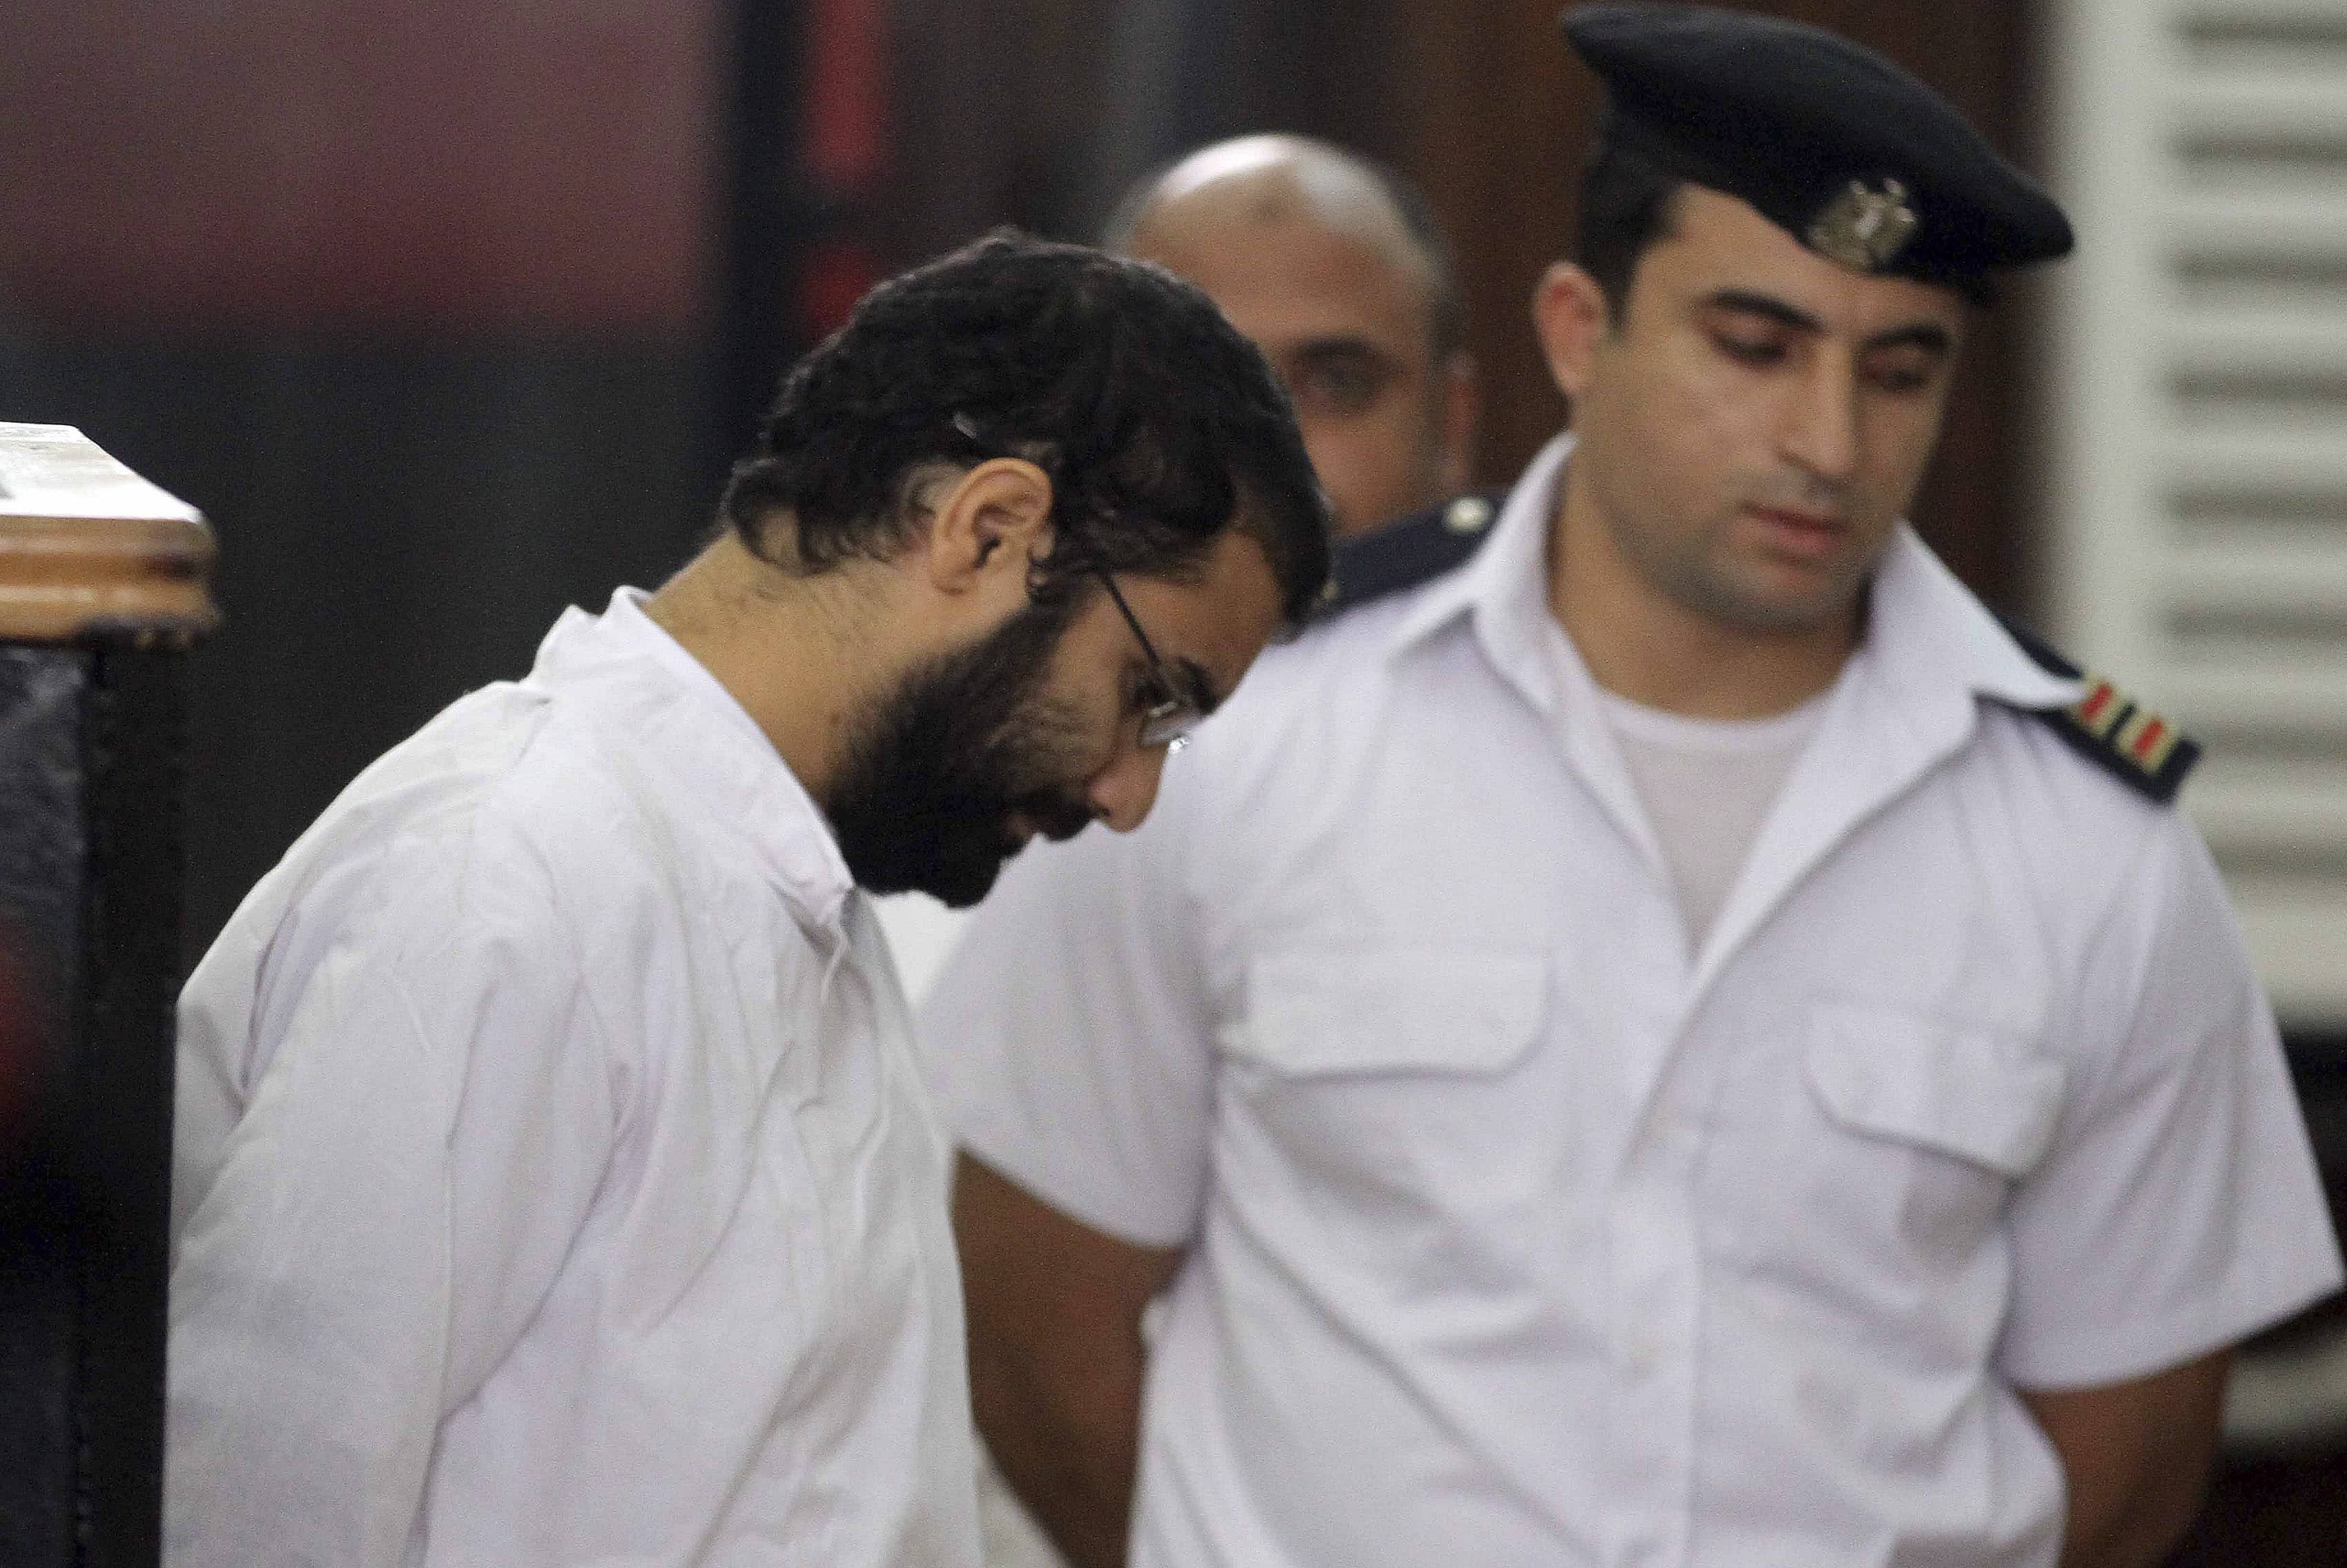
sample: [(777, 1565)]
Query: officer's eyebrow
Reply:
[(1747, 302), (1929, 336)]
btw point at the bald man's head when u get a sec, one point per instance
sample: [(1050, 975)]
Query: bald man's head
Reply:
[(1297, 176), (1334, 265)]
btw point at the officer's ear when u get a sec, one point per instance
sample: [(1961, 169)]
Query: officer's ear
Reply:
[(1570, 317)]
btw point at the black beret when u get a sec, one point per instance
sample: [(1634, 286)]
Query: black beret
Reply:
[(1826, 140)]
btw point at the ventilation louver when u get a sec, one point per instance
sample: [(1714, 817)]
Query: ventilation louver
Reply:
[(2200, 405)]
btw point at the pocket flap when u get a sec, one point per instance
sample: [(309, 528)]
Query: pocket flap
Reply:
[(1955, 1088), (1393, 1011)]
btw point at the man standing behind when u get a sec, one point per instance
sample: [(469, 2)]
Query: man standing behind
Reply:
[(555, 1186), (1683, 1042), (1336, 268)]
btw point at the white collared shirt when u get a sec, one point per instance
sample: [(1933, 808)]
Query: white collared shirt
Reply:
[(555, 1185), (1520, 1231)]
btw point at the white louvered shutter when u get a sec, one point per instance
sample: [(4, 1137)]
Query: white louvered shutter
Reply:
[(2200, 428)]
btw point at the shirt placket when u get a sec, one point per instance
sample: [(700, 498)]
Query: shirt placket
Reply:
[(1654, 1251), (1646, 1456)]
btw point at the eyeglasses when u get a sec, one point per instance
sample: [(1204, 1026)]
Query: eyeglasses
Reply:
[(1170, 717)]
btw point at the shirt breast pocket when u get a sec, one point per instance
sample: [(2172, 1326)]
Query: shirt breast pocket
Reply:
[(1937, 1120), (1389, 1076)]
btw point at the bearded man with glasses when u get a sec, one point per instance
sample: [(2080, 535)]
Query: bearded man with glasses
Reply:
[(555, 1179)]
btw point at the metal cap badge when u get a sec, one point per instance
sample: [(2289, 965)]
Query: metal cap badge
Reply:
[(1866, 227)]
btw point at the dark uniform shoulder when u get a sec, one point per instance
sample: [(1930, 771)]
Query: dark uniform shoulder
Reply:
[(1406, 552), (2113, 731)]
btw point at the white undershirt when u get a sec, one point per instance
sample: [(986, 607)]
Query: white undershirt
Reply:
[(1707, 785)]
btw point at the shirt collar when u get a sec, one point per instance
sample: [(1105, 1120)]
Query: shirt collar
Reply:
[(1925, 631), (675, 717), (1505, 587)]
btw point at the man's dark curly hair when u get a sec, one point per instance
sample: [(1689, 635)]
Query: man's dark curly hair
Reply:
[(1159, 424)]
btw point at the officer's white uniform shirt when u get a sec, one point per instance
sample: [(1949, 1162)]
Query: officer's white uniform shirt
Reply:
[(1519, 1231), (555, 1185)]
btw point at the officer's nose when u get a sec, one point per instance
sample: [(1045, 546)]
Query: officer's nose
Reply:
[(1123, 792), (1820, 432)]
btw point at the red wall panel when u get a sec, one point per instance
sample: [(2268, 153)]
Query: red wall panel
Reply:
[(429, 163)]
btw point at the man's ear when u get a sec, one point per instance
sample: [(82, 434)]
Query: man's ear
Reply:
[(992, 522), (1570, 317)]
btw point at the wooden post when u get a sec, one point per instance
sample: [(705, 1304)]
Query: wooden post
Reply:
[(102, 589)]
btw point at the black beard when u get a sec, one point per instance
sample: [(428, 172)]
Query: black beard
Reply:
[(935, 770)]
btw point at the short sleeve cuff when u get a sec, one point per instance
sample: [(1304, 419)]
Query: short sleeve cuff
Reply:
[(2091, 1354), (1082, 1198)]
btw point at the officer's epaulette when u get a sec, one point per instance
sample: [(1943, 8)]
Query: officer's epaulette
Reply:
[(2112, 729), (1406, 552)]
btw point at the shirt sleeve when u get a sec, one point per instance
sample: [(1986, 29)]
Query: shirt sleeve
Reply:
[(1070, 1034), (417, 1152), (2181, 1209)]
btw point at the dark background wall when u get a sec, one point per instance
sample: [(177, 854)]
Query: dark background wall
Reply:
[(413, 301)]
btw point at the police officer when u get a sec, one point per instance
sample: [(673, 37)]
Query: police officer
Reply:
[(1681, 1041)]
